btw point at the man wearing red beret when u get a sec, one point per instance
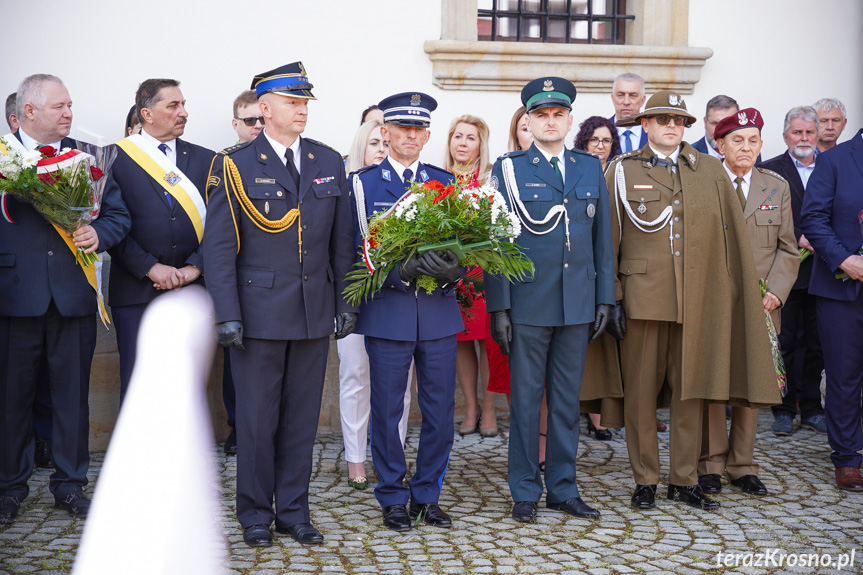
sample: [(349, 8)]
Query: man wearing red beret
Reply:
[(766, 201)]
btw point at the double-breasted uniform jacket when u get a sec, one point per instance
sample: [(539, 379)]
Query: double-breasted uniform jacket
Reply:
[(397, 311), (700, 272), (37, 266), (783, 165), (256, 276), (161, 232), (569, 282), (771, 233)]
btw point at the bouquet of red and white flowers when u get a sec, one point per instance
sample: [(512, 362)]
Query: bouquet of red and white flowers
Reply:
[(471, 220), (65, 187)]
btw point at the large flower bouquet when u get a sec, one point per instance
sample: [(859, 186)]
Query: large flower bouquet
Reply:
[(471, 220), (65, 187)]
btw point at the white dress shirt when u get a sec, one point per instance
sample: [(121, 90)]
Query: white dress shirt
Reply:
[(560, 163), (744, 185), (31, 144), (171, 151), (281, 149), (400, 168)]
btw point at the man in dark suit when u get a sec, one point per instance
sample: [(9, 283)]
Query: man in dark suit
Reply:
[(47, 313), (718, 108), (831, 210), (277, 247), (158, 174), (544, 323), (802, 355), (628, 97), (403, 323)]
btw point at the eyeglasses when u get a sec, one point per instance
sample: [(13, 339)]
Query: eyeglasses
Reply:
[(251, 121), (596, 141), (665, 119)]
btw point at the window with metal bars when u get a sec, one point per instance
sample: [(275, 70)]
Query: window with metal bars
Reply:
[(556, 21)]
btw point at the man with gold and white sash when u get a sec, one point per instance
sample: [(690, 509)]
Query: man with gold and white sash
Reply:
[(47, 314), (162, 180)]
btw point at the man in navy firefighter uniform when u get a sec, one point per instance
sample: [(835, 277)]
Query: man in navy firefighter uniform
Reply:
[(277, 245), (403, 323), (544, 323)]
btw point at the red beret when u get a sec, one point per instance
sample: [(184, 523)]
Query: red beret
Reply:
[(746, 118)]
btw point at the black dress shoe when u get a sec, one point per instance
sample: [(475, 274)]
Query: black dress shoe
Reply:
[(231, 443), (9, 507), (431, 513), (693, 496), (524, 511), (43, 457), (396, 518), (750, 484), (710, 483), (304, 533), (258, 536), (76, 504), (575, 506), (644, 497)]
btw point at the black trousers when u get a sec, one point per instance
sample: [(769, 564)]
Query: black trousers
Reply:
[(66, 345), (801, 352), (279, 387)]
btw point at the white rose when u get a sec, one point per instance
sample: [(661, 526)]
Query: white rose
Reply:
[(31, 158)]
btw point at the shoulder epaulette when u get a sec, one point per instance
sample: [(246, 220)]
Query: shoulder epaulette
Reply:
[(512, 154), (770, 173), (323, 145), (582, 152), (627, 155), (363, 169), (232, 149)]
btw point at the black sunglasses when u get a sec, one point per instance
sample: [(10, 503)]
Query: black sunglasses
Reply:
[(251, 121), (665, 119)]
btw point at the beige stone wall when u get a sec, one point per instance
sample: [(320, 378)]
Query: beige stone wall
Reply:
[(105, 390)]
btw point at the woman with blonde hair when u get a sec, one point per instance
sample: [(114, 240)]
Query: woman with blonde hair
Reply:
[(467, 156), (368, 148)]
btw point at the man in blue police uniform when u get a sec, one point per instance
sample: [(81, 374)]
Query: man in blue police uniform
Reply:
[(404, 323), (277, 246), (544, 323)]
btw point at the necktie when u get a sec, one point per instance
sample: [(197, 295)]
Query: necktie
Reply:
[(554, 165), (738, 187), (292, 168), (164, 149), (628, 146), (407, 175)]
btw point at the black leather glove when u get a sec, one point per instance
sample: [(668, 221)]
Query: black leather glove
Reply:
[(441, 266), (408, 270), (230, 334), (501, 330), (346, 323), (603, 312), (617, 322)]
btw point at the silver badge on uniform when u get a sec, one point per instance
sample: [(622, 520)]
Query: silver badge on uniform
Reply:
[(641, 208), (493, 182), (536, 160), (591, 210)]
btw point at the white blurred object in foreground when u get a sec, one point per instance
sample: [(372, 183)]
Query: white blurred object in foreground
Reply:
[(157, 505)]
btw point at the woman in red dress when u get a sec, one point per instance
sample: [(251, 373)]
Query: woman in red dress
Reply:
[(467, 157)]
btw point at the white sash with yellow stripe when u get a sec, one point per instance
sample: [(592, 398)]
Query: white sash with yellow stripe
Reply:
[(169, 176)]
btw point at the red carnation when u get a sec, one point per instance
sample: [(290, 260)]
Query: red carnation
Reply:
[(433, 186), (96, 173), (48, 151), (48, 178)]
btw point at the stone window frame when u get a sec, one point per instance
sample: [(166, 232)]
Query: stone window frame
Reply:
[(657, 50)]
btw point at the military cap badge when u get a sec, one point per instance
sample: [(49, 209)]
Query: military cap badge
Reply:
[(673, 99), (416, 100), (741, 118), (548, 86)]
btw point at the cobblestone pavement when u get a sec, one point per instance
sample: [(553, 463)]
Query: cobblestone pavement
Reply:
[(804, 513)]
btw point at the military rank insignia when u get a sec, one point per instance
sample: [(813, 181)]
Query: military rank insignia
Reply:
[(172, 178)]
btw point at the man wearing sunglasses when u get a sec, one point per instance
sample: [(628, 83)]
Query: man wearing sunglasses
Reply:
[(686, 277), (248, 121)]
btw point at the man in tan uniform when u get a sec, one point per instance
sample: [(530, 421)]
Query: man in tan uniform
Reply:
[(766, 198), (688, 286)]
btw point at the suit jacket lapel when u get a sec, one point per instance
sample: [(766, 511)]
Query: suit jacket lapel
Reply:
[(794, 181), (857, 150), (758, 192), (182, 155), (572, 170), (309, 168), (272, 165)]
